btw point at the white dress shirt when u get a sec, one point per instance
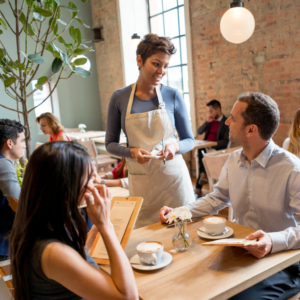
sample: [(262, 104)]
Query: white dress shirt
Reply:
[(264, 194)]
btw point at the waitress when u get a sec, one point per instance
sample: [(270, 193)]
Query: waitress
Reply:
[(148, 112)]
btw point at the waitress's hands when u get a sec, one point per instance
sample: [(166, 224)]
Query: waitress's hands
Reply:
[(170, 151), (99, 212), (163, 212), (138, 154)]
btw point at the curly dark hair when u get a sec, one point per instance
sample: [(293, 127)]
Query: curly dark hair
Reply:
[(152, 43), (9, 130), (262, 111)]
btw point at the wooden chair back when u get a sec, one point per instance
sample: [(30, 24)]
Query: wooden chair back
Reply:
[(6, 288), (37, 144), (91, 148)]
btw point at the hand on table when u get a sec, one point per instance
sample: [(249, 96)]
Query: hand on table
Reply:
[(99, 212), (138, 154), (170, 151), (163, 212), (262, 247)]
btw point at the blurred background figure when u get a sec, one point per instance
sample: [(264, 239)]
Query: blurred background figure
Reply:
[(292, 143), (49, 124)]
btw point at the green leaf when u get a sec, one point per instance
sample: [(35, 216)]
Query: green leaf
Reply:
[(81, 23), (80, 61), (1, 31), (29, 2), (9, 81), (82, 72), (69, 46), (79, 51), (5, 76), (53, 22), (38, 17), (77, 34), (56, 54), (74, 14), (2, 1), (2, 22), (49, 48), (22, 18), (29, 30), (44, 12), (56, 65), (84, 1), (69, 8), (61, 22), (58, 3), (21, 67), (55, 29), (72, 33), (87, 41), (61, 40), (12, 65), (36, 58), (2, 53), (40, 82)]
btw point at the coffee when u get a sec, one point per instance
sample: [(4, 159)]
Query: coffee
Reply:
[(215, 220), (149, 246)]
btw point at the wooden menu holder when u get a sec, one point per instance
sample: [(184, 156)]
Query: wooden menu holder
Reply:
[(139, 202)]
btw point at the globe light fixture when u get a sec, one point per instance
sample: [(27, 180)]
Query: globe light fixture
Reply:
[(86, 66), (237, 24), (131, 46)]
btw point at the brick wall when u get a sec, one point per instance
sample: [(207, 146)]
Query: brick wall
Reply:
[(108, 52), (268, 62)]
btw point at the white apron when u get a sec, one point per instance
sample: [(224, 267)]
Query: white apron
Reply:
[(158, 184)]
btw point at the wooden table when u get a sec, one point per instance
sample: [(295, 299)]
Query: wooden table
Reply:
[(203, 272), (119, 191), (85, 135)]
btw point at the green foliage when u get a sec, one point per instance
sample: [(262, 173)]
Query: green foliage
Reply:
[(9, 81), (44, 12), (80, 51), (36, 58), (81, 23), (80, 61), (2, 53), (20, 171), (42, 80), (56, 65), (2, 22), (82, 72)]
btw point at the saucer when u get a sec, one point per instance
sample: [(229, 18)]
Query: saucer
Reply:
[(165, 260), (215, 237)]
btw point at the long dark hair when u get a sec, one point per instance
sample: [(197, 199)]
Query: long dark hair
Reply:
[(53, 185)]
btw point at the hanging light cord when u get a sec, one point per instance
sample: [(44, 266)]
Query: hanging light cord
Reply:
[(133, 15)]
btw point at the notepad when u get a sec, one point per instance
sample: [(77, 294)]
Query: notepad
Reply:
[(231, 242)]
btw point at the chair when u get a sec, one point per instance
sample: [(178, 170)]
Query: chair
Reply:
[(213, 165), (72, 130), (37, 144), (6, 288), (101, 160)]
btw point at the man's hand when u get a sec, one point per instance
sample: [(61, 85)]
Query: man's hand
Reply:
[(163, 212), (210, 118), (262, 247), (13, 203)]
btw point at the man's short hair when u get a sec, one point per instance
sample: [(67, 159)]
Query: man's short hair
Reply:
[(214, 103), (9, 130), (262, 111)]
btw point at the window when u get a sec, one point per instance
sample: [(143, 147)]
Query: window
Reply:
[(39, 96), (167, 18)]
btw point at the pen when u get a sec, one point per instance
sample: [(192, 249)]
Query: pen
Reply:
[(163, 150)]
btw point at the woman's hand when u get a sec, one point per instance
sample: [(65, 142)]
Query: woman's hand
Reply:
[(170, 151), (99, 212), (138, 154), (96, 177)]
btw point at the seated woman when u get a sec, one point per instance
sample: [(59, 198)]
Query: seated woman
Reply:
[(292, 143), (117, 177), (48, 241), (50, 125)]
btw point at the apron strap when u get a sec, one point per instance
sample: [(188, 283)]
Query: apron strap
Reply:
[(161, 102)]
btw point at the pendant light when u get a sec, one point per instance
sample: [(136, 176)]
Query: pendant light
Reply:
[(237, 24), (131, 46)]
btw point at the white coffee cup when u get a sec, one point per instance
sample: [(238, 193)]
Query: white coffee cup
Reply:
[(150, 252), (214, 225)]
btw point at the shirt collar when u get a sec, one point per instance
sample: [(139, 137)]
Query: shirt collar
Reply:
[(220, 118), (263, 157)]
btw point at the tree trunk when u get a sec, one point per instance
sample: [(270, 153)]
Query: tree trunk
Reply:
[(27, 130)]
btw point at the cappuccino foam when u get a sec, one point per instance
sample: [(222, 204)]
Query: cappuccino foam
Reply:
[(215, 220), (149, 246)]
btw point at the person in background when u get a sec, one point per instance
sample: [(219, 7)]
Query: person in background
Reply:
[(49, 240), (149, 112), (49, 124), (117, 177), (292, 143), (261, 183), (216, 131), (12, 145)]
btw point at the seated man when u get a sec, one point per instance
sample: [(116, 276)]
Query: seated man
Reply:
[(262, 183), (12, 145), (216, 131)]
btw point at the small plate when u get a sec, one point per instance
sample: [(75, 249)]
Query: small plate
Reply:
[(136, 263), (215, 237)]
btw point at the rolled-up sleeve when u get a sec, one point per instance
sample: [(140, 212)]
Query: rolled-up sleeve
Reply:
[(9, 184)]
